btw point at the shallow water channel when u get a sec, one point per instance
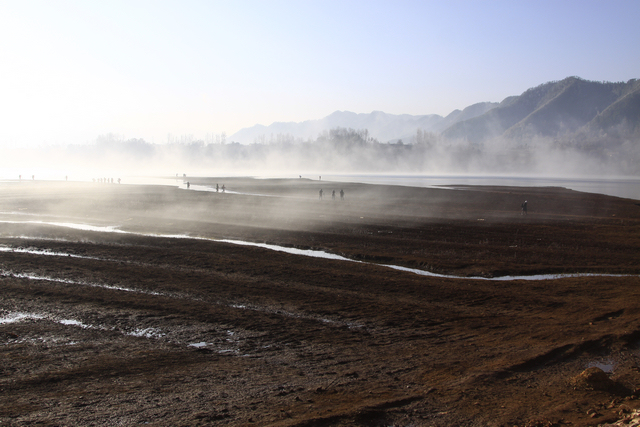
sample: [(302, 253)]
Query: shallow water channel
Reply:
[(301, 252)]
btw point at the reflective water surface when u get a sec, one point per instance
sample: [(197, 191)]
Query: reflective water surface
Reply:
[(293, 251)]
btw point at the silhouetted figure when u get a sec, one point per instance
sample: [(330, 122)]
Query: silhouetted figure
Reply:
[(188, 185), (341, 194), (223, 188), (333, 194), (524, 208), (320, 192), (217, 188)]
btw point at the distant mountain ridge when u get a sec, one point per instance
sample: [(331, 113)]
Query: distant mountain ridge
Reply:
[(556, 109), (382, 126), (569, 106)]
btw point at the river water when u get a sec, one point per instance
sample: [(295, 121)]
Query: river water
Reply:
[(626, 187), (293, 251)]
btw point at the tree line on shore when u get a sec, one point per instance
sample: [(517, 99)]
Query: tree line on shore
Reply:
[(344, 150)]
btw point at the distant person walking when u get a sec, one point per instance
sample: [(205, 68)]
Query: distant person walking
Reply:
[(524, 208), (217, 188), (341, 194), (333, 194), (320, 192), (188, 185), (223, 188)]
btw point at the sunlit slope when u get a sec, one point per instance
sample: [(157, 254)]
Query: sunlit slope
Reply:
[(553, 109)]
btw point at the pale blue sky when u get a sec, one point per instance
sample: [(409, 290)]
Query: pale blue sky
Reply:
[(73, 70)]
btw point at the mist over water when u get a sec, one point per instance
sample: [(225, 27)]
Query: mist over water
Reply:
[(620, 187), (626, 187), (342, 156)]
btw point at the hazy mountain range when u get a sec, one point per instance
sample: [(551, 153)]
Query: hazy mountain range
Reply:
[(569, 107), (571, 127)]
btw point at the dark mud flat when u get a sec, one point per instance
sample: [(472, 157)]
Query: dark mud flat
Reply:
[(105, 328)]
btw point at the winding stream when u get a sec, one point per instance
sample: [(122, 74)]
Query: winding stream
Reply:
[(294, 251)]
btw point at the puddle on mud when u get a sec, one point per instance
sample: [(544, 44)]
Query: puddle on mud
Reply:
[(313, 253), (45, 252), (19, 317), (199, 344), (147, 333), (4, 273), (209, 345), (151, 333), (607, 365), (250, 307), (70, 322), (281, 312)]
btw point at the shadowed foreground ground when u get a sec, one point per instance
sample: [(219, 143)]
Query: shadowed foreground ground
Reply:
[(104, 328)]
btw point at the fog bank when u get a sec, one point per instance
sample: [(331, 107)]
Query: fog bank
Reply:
[(338, 151)]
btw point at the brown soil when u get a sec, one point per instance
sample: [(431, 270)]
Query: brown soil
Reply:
[(128, 329)]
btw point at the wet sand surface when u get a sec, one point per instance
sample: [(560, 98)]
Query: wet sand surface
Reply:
[(99, 327)]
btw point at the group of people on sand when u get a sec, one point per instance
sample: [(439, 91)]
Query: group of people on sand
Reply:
[(105, 180), (66, 178), (333, 194), (218, 188)]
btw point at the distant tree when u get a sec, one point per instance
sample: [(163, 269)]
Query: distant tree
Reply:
[(425, 138)]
